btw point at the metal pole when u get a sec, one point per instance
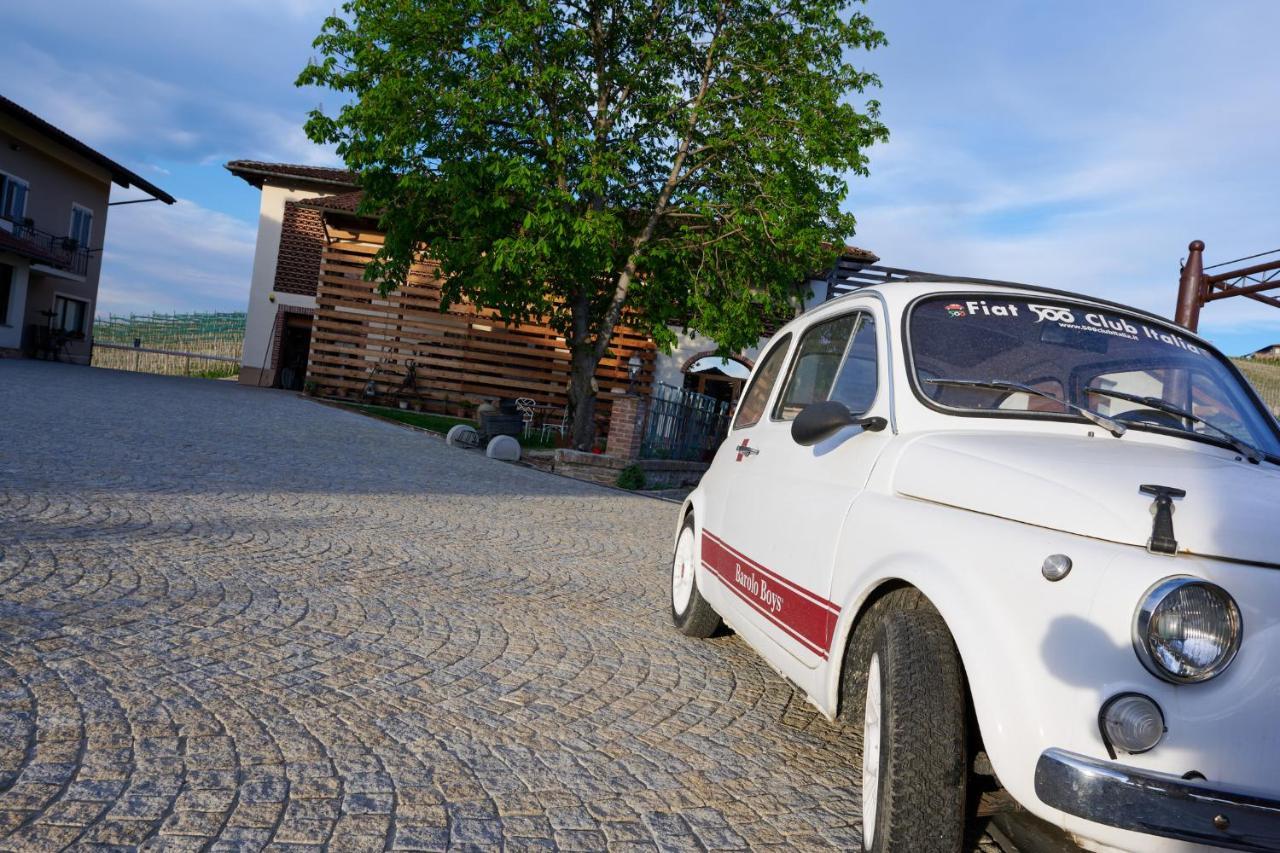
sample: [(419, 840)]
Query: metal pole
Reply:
[(1191, 287)]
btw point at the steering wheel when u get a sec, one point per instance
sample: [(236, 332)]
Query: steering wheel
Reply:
[(1155, 417)]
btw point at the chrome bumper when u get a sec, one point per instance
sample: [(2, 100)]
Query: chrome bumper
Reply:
[(1155, 803)]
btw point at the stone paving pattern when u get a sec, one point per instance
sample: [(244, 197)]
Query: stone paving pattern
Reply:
[(233, 618)]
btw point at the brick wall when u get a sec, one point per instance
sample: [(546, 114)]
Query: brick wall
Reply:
[(626, 426), (268, 376), (301, 242)]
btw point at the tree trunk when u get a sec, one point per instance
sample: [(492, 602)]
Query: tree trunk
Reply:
[(583, 359), (582, 396)]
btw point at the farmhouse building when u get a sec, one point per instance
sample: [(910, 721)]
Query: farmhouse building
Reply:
[(54, 195), (314, 321)]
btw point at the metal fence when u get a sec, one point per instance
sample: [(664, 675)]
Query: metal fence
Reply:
[(203, 344), (683, 424)]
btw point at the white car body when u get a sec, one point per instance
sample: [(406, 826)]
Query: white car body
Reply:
[(793, 540)]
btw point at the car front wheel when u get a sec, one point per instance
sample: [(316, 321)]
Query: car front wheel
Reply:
[(913, 738), (689, 610)]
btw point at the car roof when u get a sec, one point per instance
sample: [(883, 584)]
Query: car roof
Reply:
[(897, 295)]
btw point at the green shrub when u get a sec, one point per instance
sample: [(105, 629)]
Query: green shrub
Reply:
[(632, 477)]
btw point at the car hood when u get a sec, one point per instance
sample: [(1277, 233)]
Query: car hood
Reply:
[(1090, 486)]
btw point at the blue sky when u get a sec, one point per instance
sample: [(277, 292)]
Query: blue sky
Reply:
[(1080, 145)]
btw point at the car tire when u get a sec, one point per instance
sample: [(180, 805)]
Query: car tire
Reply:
[(689, 610), (914, 769)]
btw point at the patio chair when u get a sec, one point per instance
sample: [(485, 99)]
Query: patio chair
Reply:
[(560, 429), (526, 406)]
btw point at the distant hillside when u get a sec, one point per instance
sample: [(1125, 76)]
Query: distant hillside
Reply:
[(210, 334), (1264, 373)]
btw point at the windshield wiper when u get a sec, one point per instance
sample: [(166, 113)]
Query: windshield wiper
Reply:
[(1114, 427), (1241, 446)]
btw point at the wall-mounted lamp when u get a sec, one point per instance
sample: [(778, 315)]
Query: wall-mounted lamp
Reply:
[(633, 372)]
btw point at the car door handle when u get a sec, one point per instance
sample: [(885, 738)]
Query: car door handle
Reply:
[(746, 450)]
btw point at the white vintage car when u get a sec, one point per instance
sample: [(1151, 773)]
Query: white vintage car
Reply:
[(1023, 539)]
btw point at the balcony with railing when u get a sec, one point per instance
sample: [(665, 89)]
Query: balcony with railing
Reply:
[(60, 252)]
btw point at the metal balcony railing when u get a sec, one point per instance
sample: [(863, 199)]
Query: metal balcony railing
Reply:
[(65, 253)]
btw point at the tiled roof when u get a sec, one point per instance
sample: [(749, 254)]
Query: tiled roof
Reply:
[(341, 203), (119, 174), (256, 172), (856, 254)]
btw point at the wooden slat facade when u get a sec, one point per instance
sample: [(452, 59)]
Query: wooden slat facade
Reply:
[(461, 356)]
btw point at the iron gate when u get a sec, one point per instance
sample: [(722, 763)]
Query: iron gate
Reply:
[(683, 424)]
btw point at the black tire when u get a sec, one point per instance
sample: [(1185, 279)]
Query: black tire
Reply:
[(697, 619), (920, 792), (857, 654)]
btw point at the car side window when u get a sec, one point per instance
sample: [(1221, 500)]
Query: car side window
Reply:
[(835, 360), (814, 368), (756, 397), (859, 377)]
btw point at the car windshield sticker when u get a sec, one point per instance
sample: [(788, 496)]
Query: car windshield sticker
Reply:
[(1072, 318), (1076, 351)]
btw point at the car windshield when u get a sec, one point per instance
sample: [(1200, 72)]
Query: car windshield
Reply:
[(1122, 366)]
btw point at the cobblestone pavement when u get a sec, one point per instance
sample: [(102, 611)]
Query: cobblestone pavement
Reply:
[(232, 618)]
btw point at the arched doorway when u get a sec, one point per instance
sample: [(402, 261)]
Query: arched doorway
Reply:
[(716, 376)]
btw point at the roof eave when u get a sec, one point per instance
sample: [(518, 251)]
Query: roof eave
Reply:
[(119, 174), (257, 177)]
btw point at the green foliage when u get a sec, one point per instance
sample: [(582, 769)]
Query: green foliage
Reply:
[(680, 160), (631, 477)]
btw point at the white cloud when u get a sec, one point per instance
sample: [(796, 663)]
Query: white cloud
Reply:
[(1078, 147), (188, 113), (174, 258)]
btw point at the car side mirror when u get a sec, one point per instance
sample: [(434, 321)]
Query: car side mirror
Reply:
[(818, 421)]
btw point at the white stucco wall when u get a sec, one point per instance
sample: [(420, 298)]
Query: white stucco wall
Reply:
[(668, 366), (262, 311)]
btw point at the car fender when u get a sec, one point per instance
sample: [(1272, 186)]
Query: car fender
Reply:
[(982, 575), (693, 503)]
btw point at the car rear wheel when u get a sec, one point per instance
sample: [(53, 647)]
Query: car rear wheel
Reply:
[(689, 611), (913, 738)]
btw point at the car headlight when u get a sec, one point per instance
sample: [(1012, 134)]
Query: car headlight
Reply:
[(1186, 630)]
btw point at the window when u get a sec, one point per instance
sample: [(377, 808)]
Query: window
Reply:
[(835, 360), (1085, 354), (756, 397), (6, 284), (860, 377), (814, 368), (68, 314), (13, 198), (81, 225)]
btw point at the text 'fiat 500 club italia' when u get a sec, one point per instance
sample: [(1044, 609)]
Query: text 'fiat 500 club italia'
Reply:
[(1024, 540)]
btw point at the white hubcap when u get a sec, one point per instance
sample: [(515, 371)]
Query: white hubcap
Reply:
[(682, 572), (871, 731)]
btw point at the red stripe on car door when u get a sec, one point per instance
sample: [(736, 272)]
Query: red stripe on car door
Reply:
[(805, 616)]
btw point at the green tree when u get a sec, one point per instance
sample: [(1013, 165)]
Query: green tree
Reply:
[(585, 162)]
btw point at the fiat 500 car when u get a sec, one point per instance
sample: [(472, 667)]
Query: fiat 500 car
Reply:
[(1026, 541)]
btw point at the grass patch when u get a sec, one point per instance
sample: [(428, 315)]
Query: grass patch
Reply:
[(441, 423), (217, 372)]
